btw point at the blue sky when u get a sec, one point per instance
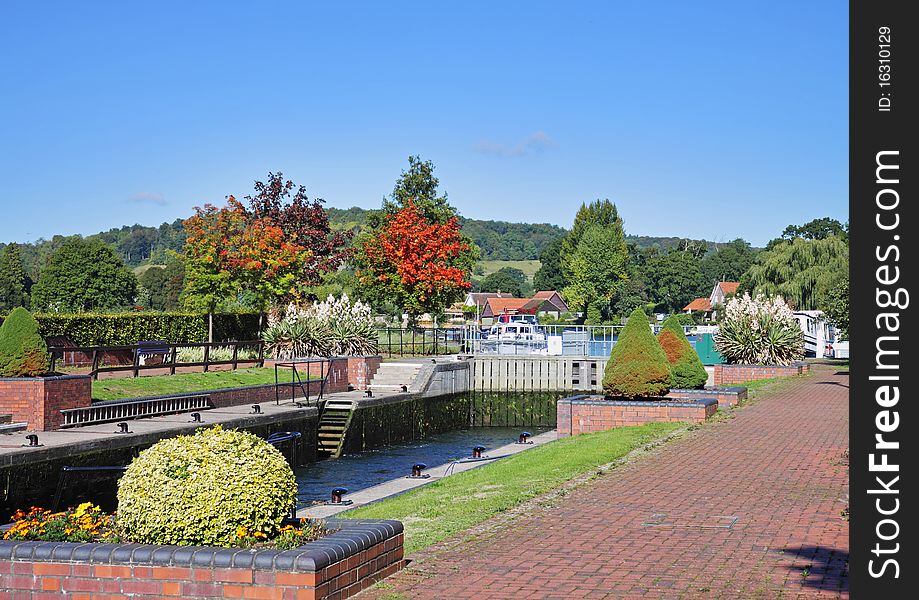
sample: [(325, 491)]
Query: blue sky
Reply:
[(710, 120)]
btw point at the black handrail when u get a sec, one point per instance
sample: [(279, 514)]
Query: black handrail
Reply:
[(295, 380)]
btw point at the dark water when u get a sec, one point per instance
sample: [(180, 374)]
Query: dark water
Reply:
[(387, 440), (366, 469)]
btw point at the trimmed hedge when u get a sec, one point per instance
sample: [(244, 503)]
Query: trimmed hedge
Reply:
[(685, 365), (119, 329), (637, 365)]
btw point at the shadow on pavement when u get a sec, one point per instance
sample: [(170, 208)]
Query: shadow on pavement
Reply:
[(820, 567)]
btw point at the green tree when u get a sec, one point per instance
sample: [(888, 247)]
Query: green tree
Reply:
[(23, 352), (159, 286), (175, 281), (674, 280), (14, 283), (602, 213), (594, 257), (207, 279), (507, 279), (818, 229), (637, 365), (84, 275), (728, 263), (685, 366), (550, 275), (802, 271), (836, 307), (419, 185)]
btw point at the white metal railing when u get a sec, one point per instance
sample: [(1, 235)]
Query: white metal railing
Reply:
[(117, 410), (570, 340)]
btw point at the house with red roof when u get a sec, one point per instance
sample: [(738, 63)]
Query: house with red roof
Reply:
[(720, 292), (544, 303)]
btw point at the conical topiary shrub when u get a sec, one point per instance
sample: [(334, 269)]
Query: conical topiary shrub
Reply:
[(637, 366), (23, 352), (685, 367)]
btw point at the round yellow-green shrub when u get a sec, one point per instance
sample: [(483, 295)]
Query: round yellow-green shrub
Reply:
[(203, 489)]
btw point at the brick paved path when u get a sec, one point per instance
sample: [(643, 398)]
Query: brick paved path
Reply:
[(779, 466)]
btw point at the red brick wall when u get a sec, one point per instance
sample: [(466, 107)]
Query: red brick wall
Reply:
[(361, 370), (341, 372), (734, 374), (586, 416), (726, 398), (38, 400), (29, 579)]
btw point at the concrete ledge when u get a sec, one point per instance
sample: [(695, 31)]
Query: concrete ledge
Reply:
[(339, 565), (727, 396), (587, 413)]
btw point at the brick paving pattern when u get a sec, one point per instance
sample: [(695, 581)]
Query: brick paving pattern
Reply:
[(657, 527)]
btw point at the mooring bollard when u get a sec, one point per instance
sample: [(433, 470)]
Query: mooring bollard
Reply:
[(33, 441), (336, 496), (477, 451), (417, 469), (196, 418), (524, 437), (123, 427)]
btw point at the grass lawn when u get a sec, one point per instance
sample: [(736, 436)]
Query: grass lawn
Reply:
[(440, 509), (527, 266), (158, 385)]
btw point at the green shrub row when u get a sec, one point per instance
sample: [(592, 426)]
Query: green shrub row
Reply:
[(99, 329)]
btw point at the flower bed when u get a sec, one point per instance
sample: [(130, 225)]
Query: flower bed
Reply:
[(339, 565)]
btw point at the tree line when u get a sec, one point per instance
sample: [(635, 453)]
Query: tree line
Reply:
[(414, 255)]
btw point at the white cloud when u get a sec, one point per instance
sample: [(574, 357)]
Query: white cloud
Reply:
[(151, 197), (537, 141)]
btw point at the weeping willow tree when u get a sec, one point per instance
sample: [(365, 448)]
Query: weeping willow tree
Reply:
[(804, 272)]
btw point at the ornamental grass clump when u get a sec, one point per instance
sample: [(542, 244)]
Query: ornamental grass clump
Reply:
[(336, 327), (686, 368), (759, 331), (204, 489), (23, 352), (637, 365)]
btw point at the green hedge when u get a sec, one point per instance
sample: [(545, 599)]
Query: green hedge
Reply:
[(92, 329)]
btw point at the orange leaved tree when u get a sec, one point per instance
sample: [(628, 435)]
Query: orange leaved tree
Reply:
[(419, 265)]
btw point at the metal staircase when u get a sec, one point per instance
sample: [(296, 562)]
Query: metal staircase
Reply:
[(336, 416)]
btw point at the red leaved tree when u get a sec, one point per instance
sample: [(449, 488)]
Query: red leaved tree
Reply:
[(418, 265), (274, 251)]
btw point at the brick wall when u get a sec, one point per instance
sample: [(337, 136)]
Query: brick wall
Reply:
[(341, 373), (586, 414), (727, 396), (38, 400), (361, 370), (338, 566), (734, 374)]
